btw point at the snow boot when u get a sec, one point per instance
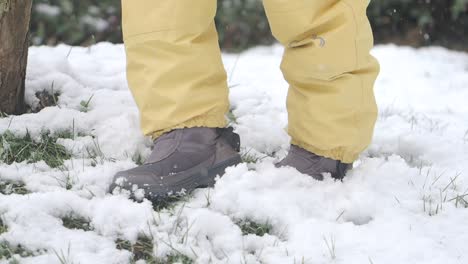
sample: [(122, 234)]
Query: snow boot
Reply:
[(308, 163), (182, 160)]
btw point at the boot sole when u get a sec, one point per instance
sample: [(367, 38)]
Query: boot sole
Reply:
[(201, 178)]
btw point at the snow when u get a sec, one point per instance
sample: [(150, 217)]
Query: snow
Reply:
[(48, 10), (98, 24), (395, 207)]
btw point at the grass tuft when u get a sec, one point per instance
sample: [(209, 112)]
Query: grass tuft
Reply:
[(331, 246), (123, 245), (249, 227), (178, 258), (96, 154), (18, 149), (231, 117), (8, 188), (7, 251), (248, 157), (46, 99), (67, 134), (461, 200), (168, 202), (3, 227), (76, 222), (138, 159), (143, 250), (64, 258), (85, 105)]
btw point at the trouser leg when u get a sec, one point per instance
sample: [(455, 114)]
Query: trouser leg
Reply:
[(331, 105), (174, 66)]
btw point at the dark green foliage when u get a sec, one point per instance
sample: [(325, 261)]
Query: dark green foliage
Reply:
[(7, 187), (7, 251), (3, 227), (123, 244), (168, 202), (249, 158), (74, 22), (69, 134), (178, 258), (46, 99), (76, 222), (250, 227), (18, 149), (143, 250), (242, 23), (421, 22), (138, 159)]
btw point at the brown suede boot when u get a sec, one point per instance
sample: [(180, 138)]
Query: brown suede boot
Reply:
[(183, 160)]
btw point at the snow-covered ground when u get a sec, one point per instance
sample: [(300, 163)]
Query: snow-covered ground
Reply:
[(403, 202)]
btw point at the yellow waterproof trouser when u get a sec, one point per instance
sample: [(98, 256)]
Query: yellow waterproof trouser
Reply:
[(176, 75)]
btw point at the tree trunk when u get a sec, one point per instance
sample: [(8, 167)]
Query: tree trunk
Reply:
[(14, 43)]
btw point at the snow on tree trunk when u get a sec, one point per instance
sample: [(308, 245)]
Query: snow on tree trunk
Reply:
[(14, 42)]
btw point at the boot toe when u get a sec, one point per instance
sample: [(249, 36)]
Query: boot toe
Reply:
[(153, 184), (130, 180)]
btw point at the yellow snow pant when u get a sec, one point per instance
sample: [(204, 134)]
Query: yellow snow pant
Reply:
[(176, 75)]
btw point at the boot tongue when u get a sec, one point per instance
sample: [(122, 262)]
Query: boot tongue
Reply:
[(197, 139), (184, 140), (165, 145)]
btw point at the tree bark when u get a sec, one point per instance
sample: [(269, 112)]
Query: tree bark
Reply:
[(15, 16)]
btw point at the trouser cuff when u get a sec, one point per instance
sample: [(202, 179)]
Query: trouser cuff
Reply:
[(212, 120)]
